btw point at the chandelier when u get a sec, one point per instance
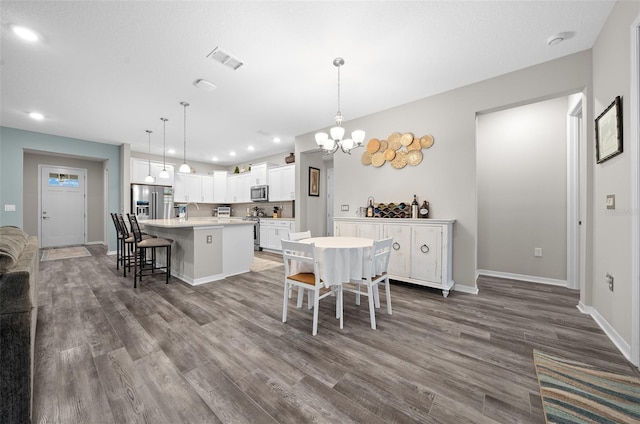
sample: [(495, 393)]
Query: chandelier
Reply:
[(333, 141), (185, 168)]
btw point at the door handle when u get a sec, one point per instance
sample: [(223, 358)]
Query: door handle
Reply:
[(396, 246), (46, 217)]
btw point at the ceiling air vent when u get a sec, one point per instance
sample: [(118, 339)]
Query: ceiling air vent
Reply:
[(225, 58)]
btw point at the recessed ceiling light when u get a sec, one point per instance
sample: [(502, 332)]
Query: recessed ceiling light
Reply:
[(25, 33), (37, 116), (225, 58), (250, 148), (276, 139), (171, 151), (204, 85), (232, 153), (215, 158)]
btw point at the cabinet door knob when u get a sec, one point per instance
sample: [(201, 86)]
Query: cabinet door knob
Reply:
[(424, 248), (396, 246)]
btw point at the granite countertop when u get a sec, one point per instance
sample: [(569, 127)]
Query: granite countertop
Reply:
[(193, 222)]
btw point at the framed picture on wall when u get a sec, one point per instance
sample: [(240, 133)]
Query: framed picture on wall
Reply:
[(314, 181), (609, 132)]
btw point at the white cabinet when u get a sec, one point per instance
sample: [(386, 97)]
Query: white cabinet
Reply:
[(272, 231), (239, 188), (282, 183), (207, 189), (219, 186), (422, 249), (259, 174), (357, 229), (188, 188), (140, 170)]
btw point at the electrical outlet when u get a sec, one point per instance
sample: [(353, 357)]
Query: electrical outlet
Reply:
[(537, 252), (344, 208), (609, 279), (209, 239)]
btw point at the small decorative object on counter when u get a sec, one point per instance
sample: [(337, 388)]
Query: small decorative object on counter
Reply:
[(236, 171), (414, 207), (290, 159), (424, 209), (370, 209)]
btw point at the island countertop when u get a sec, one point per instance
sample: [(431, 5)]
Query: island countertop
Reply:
[(194, 222)]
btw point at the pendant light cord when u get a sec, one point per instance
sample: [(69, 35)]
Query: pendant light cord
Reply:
[(164, 143), (149, 151)]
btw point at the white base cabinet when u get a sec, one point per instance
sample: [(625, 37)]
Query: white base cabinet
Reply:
[(422, 248), (272, 231)]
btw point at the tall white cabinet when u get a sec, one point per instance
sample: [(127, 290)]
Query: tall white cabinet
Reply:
[(422, 249)]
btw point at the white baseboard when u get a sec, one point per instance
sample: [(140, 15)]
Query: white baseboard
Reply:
[(521, 277), (465, 289), (613, 335), (111, 252), (94, 242)]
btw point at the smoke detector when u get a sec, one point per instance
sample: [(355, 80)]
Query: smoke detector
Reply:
[(204, 85)]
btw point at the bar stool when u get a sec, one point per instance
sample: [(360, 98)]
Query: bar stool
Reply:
[(141, 266), (120, 239)]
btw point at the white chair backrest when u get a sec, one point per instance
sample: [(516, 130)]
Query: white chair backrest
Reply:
[(294, 251), (380, 256), (299, 236)]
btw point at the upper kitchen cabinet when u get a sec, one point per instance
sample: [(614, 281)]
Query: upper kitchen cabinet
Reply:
[(219, 186), (207, 186), (239, 188), (259, 174), (188, 188), (140, 170), (282, 183)]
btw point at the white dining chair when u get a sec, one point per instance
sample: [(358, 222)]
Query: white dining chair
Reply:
[(376, 273), (305, 254), (295, 237)]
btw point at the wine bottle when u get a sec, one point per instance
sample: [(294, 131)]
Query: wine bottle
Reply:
[(424, 209), (414, 207), (370, 209)]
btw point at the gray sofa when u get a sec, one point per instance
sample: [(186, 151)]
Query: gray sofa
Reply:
[(19, 263)]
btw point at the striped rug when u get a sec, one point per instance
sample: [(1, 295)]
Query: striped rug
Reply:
[(577, 393)]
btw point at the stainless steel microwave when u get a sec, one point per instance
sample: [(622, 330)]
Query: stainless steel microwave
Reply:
[(260, 193)]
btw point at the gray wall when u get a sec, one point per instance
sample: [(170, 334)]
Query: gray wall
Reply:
[(611, 228), (522, 190), (447, 175), (95, 191)]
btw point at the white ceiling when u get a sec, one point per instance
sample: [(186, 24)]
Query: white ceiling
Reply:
[(108, 70)]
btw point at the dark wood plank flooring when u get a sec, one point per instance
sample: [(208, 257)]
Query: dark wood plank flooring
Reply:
[(219, 353)]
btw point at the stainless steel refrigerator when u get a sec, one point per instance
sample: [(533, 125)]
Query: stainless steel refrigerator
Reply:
[(151, 201)]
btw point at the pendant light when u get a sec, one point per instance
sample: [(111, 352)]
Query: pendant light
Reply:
[(333, 141), (185, 168), (164, 173), (149, 178)]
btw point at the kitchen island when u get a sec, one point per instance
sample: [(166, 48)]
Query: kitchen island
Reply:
[(205, 249)]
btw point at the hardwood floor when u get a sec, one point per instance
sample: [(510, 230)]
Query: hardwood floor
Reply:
[(106, 353)]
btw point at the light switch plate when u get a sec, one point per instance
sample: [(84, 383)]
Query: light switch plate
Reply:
[(344, 208), (9, 208), (611, 201)]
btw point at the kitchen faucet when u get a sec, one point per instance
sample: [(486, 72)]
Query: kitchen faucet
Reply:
[(186, 209)]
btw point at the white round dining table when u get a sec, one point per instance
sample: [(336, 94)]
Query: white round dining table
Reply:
[(341, 259)]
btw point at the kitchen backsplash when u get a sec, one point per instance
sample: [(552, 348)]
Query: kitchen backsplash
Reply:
[(240, 209)]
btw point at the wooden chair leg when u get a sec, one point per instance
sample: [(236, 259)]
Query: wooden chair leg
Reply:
[(285, 302), (316, 304), (372, 311)]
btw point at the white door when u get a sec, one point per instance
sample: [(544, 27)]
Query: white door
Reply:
[(62, 206)]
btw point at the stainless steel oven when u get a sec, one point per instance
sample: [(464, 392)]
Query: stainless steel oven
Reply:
[(256, 230)]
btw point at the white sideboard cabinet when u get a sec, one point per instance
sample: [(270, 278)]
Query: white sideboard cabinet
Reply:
[(422, 249)]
